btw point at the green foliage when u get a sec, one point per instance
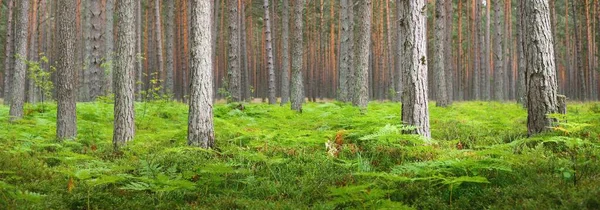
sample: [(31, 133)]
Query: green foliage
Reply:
[(269, 157), (39, 75)]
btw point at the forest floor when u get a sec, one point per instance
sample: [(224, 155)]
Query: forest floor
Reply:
[(269, 157)]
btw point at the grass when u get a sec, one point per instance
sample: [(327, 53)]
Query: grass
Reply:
[(271, 157)]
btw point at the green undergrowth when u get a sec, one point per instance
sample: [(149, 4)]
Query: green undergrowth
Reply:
[(269, 157)]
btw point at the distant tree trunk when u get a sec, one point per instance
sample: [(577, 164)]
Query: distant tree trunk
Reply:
[(66, 66), (477, 56), (32, 90), (448, 53), (124, 125), (139, 78), (488, 66), (579, 57), (297, 85), (269, 55), (414, 96), (96, 42), (9, 58), (234, 52), (245, 83), (18, 76), (499, 55), (285, 63), (169, 35), (401, 11), (110, 46), (159, 48), (361, 88), (521, 69), (439, 52), (200, 127), (541, 79)]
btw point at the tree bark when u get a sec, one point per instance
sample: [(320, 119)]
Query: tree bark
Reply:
[(439, 59), (414, 95), (498, 54), (32, 90), (361, 88), (541, 81), (234, 52), (139, 78), (8, 55), (200, 127), (285, 63), (521, 69), (579, 58), (110, 46), (66, 66), (488, 66), (448, 52), (96, 43), (401, 11), (169, 36), (297, 86), (346, 66), (269, 55), (18, 76), (159, 48), (124, 125)]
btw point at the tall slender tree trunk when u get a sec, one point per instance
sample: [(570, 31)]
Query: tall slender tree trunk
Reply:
[(541, 81), (234, 52), (8, 55), (159, 48), (485, 53), (345, 52), (245, 83), (18, 76), (66, 66), (297, 85), (139, 67), (110, 46), (448, 52), (579, 58), (414, 96), (285, 63), (477, 51), (521, 68), (32, 90), (439, 59), (269, 47), (169, 51), (124, 125), (96, 53), (361, 88), (401, 7), (498, 52), (200, 127)]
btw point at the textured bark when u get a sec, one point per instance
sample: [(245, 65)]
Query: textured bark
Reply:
[(8, 55), (521, 69), (541, 81), (66, 66), (269, 56), (285, 57), (361, 88), (297, 86), (477, 56), (579, 58), (96, 42), (200, 127), (234, 52), (170, 38), (139, 67), (414, 95), (18, 76), (498, 52), (439, 59), (401, 7), (486, 92), (110, 46), (244, 67), (158, 41), (448, 55), (124, 125), (32, 89), (345, 72)]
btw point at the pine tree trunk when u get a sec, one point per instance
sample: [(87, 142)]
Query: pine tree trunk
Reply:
[(66, 66), (18, 76), (486, 91), (401, 11), (159, 48), (169, 36), (269, 48), (361, 88), (125, 58), (8, 55), (285, 63), (200, 127), (498, 54), (541, 81), (448, 51), (521, 86), (32, 90), (345, 52), (478, 57), (439, 59), (110, 47), (579, 58), (234, 52), (414, 95), (96, 42), (297, 84), (139, 78), (245, 83)]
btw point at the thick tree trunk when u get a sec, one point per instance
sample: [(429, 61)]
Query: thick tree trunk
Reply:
[(297, 85), (124, 125), (200, 127), (541, 81), (18, 76), (498, 52), (8, 55), (414, 95), (110, 46), (66, 66), (439, 59), (361, 88), (285, 63), (269, 56), (234, 52), (169, 36), (345, 52), (96, 42)]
